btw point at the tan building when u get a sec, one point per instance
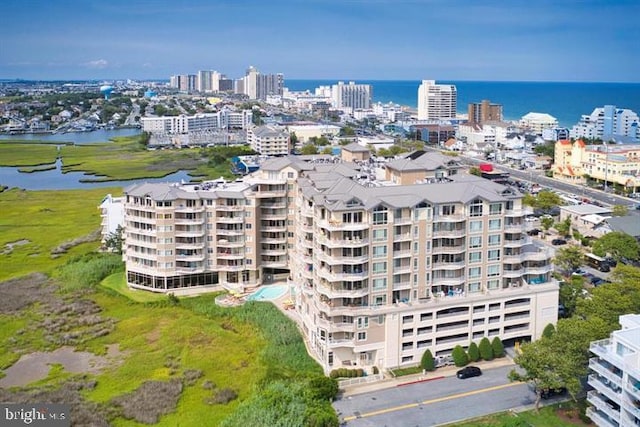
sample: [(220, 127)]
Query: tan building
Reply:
[(421, 166), (269, 140), (354, 152), (480, 112), (380, 271), (610, 163)]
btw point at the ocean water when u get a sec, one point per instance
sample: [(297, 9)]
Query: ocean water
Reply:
[(565, 101)]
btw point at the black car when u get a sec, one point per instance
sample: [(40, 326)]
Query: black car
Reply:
[(533, 232), (558, 242), (548, 393), (468, 372)]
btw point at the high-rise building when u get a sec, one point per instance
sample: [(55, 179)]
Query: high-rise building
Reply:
[(258, 86), (607, 122), (485, 111), (208, 81), (381, 271), (615, 376), (437, 101), (353, 96)]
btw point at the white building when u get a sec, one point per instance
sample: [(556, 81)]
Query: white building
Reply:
[(259, 86), (537, 122), (606, 122), (269, 140), (182, 124), (112, 214), (436, 101), (305, 131), (615, 376), (351, 96)]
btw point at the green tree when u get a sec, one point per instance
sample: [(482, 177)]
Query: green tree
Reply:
[(497, 347), (322, 388), (546, 149), (475, 171), (570, 292), (294, 139), (620, 210), (474, 352), (486, 352), (427, 362), (460, 357), (545, 200), (347, 131), (564, 227), (538, 363), (546, 223), (113, 241), (618, 245), (309, 149), (569, 258), (549, 330)]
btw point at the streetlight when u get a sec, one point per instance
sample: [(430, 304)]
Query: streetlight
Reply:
[(606, 164)]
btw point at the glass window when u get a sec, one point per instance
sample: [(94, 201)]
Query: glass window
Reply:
[(493, 284), (380, 234), (474, 287), (493, 270), (494, 255), (475, 256), (475, 209), (495, 208), (379, 267), (380, 284), (362, 336), (495, 224), (494, 240), (380, 216), (475, 226), (379, 251), (475, 272), (475, 241)]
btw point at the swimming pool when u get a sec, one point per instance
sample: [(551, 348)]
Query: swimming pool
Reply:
[(268, 293)]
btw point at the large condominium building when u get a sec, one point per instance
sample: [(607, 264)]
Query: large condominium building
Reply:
[(615, 376), (480, 112), (182, 124), (259, 86), (269, 140), (607, 122), (184, 82), (381, 272), (610, 163), (437, 101), (351, 96), (537, 122), (209, 81)]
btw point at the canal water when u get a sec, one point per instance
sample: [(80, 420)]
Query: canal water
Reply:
[(101, 135)]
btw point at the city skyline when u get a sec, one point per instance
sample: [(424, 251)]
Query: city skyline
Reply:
[(378, 40)]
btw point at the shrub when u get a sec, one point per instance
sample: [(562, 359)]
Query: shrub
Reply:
[(375, 370), (333, 373), (474, 352), (497, 347), (486, 352), (549, 330), (460, 357), (224, 396), (427, 363), (322, 388), (150, 401), (360, 372)]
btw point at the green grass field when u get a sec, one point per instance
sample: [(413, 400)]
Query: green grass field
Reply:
[(118, 283), (44, 220), (27, 154)]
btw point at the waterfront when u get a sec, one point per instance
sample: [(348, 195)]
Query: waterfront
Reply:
[(54, 179), (101, 135), (565, 101)]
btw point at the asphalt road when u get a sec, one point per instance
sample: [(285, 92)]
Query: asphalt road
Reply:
[(436, 402)]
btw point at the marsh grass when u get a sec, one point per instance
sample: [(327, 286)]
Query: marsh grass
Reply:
[(16, 154)]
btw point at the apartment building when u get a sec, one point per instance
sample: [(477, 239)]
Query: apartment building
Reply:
[(351, 96), (611, 163), (538, 122), (615, 376), (269, 140), (437, 101), (381, 271), (259, 86), (183, 124), (484, 111), (607, 122)]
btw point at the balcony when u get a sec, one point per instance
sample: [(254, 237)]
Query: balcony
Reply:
[(274, 228), (632, 390), (190, 257), (514, 228), (450, 233), (398, 286), (191, 232), (189, 270), (230, 232), (229, 219), (604, 371), (333, 277), (342, 243), (229, 208), (338, 292), (538, 270), (274, 251), (597, 383), (444, 265), (224, 243), (525, 211), (448, 281), (339, 260), (401, 269), (513, 243), (603, 406), (600, 419), (189, 221), (274, 216), (230, 267), (341, 343), (189, 209), (448, 249), (402, 237), (449, 218), (337, 225), (230, 255)]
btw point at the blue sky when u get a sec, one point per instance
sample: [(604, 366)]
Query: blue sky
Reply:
[(533, 40)]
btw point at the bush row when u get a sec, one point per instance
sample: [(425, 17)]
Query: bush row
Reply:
[(346, 373)]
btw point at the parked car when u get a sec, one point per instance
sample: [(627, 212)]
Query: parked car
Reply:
[(548, 393), (533, 232), (558, 242), (468, 372), (441, 361)]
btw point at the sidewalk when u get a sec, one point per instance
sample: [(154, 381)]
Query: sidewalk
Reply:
[(448, 371)]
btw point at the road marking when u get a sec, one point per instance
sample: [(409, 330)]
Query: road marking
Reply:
[(429, 402)]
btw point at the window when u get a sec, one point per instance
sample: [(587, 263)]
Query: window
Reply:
[(494, 239), (352, 217), (475, 256), (380, 284), (495, 208), (407, 319), (475, 209), (363, 322), (474, 287), (493, 270), (380, 215), (494, 255), (380, 234), (493, 284), (495, 224), (362, 336), (379, 267), (475, 226), (475, 272), (379, 251), (380, 300), (475, 241), (407, 359)]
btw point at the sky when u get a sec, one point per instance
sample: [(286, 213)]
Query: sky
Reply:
[(509, 40)]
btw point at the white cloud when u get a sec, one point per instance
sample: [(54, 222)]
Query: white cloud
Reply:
[(98, 64)]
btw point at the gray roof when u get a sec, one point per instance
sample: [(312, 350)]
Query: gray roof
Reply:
[(354, 147), (159, 191), (586, 209), (627, 224), (428, 160), (266, 130)]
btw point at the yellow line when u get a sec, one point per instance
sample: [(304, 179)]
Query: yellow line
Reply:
[(428, 402)]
